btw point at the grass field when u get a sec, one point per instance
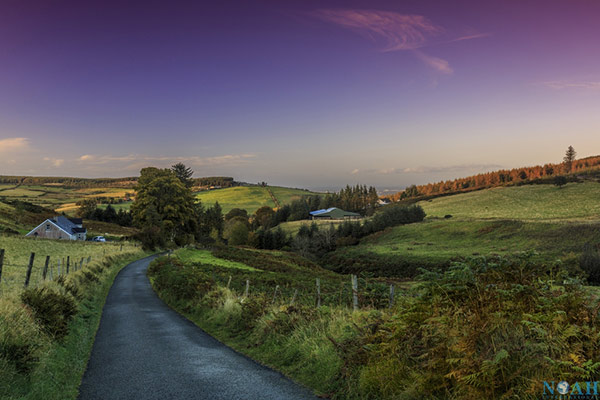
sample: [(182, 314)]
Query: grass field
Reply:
[(293, 227), (18, 250), (59, 198), (573, 202), (249, 198), (554, 222), (206, 257)]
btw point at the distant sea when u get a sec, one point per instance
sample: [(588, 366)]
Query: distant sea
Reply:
[(380, 190)]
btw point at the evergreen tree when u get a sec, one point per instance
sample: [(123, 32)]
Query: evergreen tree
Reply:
[(569, 158), (184, 174)]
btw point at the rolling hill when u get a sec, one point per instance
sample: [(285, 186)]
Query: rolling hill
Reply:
[(250, 198), (554, 222)]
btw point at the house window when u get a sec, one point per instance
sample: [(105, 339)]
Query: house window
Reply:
[(47, 227)]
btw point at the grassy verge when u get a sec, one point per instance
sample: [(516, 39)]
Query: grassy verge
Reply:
[(56, 366), (490, 328)]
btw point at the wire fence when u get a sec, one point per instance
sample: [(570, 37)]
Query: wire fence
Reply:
[(41, 268)]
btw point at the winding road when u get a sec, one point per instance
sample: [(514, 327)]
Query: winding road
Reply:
[(144, 350)]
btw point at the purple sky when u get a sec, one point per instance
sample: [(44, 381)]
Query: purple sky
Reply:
[(301, 93)]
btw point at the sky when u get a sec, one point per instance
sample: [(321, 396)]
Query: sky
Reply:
[(311, 93)]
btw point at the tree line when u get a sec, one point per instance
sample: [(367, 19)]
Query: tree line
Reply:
[(539, 173)]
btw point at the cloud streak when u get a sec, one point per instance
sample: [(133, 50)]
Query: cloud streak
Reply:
[(440, 65), (131, 162), (13, 144), (561, 85), (431, 170), (393, 31)]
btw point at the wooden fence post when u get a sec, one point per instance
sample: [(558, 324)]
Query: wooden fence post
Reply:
[(29, 268), (247, 288), (275, 295), (354, 292), (294, 297), (68, 263), (1, 263), (121, 249), (318, 292), (229, 282), (81, 263), (392, 294), (45, 271)]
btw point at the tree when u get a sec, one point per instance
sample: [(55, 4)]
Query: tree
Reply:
[(236, 233), (236, 212), (560, 181), (87, 207), (184, 174), (162, 202), (264, 216), (569, 158)]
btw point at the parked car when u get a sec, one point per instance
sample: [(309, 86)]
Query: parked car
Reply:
[(99, 239)]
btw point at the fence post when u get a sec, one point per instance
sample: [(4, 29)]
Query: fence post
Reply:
[(29, 268), (354, 292), (275, 295), (229, 282), (68, 263), (1, 263), (392, 294), (121, 249), (294, 297), (81, 263), (45, 272), (247, 288), (318, 292)]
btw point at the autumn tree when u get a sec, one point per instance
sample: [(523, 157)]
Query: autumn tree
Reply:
[(569, 158)]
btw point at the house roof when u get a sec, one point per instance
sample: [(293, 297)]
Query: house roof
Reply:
[(69, 226), (333, 212)]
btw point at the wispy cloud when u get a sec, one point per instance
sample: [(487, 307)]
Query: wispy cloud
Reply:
[(440, 65), (133, 162), (561, 85), (393, 31), (13, 144), (475, 168), (56, 162)]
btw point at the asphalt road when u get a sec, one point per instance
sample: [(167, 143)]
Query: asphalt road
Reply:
[(144, 351)]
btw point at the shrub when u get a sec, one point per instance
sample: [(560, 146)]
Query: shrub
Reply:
[(21, 339), (53, 309), (589, 262)]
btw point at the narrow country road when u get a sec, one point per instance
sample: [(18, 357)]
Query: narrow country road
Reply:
[(144, 351)]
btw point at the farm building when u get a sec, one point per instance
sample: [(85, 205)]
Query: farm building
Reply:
[(333, 213), (60, 228)]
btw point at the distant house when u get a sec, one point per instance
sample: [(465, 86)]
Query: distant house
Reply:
[(60, 228), (383, 202), (333, 213)]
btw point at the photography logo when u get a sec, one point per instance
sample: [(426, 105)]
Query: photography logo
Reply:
[(575, 391)]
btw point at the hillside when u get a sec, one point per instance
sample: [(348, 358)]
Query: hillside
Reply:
[(574, 201), (587, 168), (554, 222), (250, 198)]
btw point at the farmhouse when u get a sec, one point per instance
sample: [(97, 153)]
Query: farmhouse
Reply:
[(333, 213), (60, 228)]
